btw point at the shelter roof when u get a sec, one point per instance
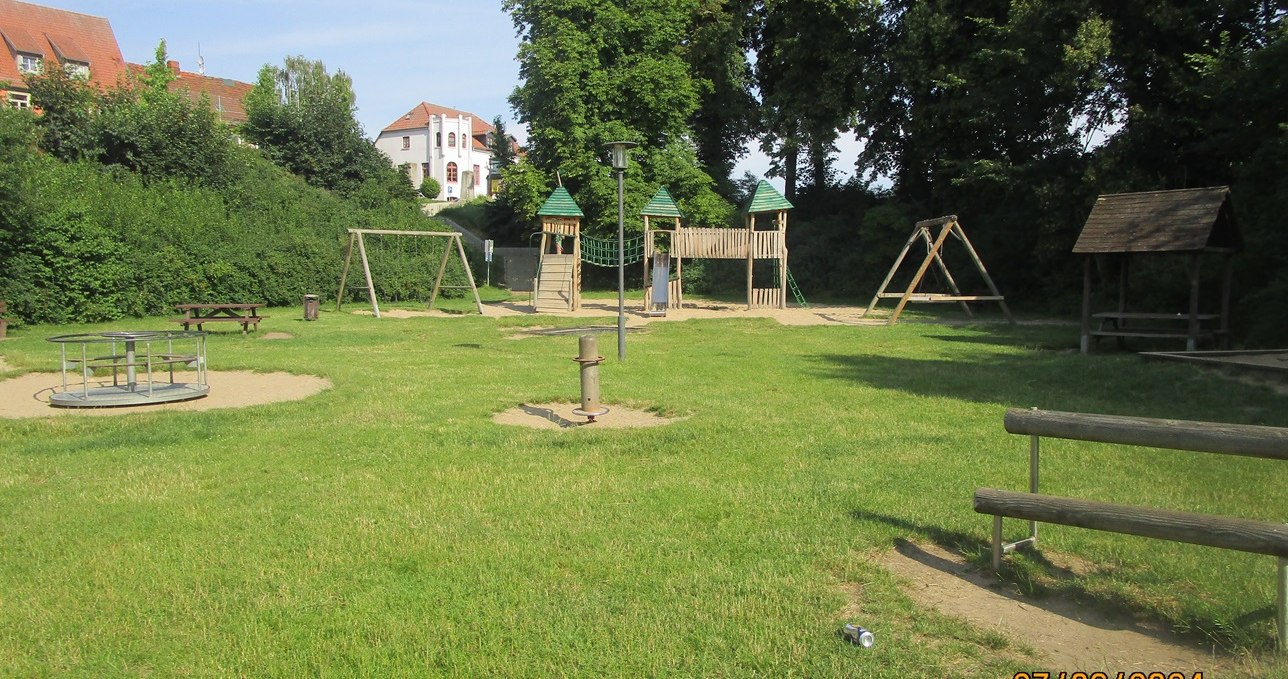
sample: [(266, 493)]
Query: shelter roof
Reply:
[(560, 204), (1184, 220), (58, 37), (661, 205), (767, 199)]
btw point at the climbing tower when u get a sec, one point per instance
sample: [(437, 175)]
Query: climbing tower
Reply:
[(767, 240), (558, 283)]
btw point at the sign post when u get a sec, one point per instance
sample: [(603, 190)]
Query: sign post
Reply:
[(487, 257)]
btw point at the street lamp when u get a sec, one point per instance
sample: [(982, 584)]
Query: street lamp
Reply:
[(617, 149)]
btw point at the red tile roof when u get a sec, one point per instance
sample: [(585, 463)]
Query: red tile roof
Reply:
[(58, 36), (418, 118), (228, 97)]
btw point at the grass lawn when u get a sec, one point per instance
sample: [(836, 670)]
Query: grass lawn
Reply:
[(387, 527)]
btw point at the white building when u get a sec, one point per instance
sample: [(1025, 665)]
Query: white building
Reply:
[(444, 143)]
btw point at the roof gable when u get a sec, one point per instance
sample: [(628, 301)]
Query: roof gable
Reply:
[(1184, 220), (661, 205), (560, 204), (767, 199), (58, 37)]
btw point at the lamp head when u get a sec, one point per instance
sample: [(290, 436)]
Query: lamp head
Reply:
[(617, 150)]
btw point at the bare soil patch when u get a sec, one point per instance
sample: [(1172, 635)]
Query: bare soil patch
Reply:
[(28, 395), (560, 416), (277, 336), (1067, 636)]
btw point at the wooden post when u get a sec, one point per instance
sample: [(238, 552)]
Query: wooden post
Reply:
[(648, 253), (983, 271), (1085, 344), (897, 261), (1227, 278), (469, 275), (1192, 338), (921, 270), (366, 271), (751, 257), (782, 258), (1282, 605), (438, 279), (344, 273)]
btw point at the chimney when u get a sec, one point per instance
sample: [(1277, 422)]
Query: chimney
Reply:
[(173, 66)]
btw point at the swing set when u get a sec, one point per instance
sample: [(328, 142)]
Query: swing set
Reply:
[(356, 236)]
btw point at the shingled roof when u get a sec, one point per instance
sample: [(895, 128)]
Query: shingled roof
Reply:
[(661, 205), (58, 37), (560, 204), (418, 118), (227, 97), (767, 199), (1184, 220)]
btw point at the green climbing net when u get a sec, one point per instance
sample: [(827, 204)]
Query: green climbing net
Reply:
[(603, 251)]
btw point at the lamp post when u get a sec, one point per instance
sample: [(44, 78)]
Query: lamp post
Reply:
[(617, 150)]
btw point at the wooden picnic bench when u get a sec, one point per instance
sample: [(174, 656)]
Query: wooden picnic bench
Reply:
[(199, 314), (1245, 535), (1121, 324)]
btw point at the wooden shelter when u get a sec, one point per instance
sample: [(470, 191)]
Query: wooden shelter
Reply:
[(661, 262), (1186, 222), (949, 226), (558, 283)]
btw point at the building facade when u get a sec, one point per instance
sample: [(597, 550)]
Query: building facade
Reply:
[(37, 38), (444, 143)]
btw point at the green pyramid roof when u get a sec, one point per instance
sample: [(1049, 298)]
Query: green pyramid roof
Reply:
[(661, 205), (560, 204), (767, 199)]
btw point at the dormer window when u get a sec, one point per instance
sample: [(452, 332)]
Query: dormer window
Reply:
[(28, 63), (451, 139), (76, 69)]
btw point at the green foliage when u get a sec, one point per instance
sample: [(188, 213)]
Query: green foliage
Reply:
[(501, 145), (303, 119), (430, 188)]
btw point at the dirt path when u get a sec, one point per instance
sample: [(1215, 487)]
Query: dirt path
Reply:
[(1067, 636)]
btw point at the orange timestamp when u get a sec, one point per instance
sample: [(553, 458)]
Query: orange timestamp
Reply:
[(1107, 675)]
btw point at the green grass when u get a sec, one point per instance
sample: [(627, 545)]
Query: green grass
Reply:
[(388, 527)]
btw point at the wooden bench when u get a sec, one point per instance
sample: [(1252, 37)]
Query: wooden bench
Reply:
[(247, 315), (1257, 537), (1122, 324)]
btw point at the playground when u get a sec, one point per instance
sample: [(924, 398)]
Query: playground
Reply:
[(777, 500)]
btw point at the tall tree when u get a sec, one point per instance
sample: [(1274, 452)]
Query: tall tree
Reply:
[(596, 71), (501, 144), (727, 114), (303, 118)]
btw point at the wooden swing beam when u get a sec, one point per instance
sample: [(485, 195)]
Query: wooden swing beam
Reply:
[(356, 236)]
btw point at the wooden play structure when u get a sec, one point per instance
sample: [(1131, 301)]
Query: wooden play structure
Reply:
[(1226, 532), (1186, 222), (356, 236), (558, 283), (763, 240), (948, 226)]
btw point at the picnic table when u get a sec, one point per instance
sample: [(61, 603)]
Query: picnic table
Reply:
[(199, 314)]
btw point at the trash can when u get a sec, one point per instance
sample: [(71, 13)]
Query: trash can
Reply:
[(310, 307)]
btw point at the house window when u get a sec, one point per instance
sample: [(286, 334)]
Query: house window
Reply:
[(28, 63), (77, 69), (19, 100), (478, 179), (451, 172), (438, 139), (451, 139), (406, 143), (424, 171)]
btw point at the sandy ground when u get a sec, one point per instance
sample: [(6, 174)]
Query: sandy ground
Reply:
[(814, 315), (1067, 637), (560, 416), (28, 395)]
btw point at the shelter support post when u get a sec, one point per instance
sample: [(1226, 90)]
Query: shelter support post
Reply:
[(1085, 344), (1192, 338)]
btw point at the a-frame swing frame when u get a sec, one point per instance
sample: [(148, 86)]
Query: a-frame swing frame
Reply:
[(356, 236), (949, 226)]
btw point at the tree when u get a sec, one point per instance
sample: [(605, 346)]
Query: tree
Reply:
[(501, 145), (596, 71), (303, 119), (727, 113)]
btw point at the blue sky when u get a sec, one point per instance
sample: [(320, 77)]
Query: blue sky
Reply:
[(457, 53)]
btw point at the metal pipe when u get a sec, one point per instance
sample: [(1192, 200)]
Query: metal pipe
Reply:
[(589, 359), (621, 267)]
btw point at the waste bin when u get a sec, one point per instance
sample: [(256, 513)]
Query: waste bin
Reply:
[(310, 307)]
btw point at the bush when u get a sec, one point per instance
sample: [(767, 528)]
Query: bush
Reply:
[(430, 188)]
